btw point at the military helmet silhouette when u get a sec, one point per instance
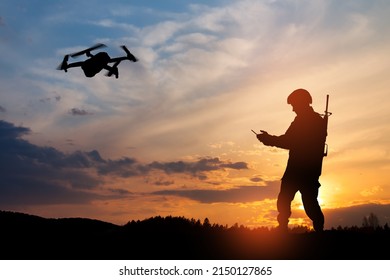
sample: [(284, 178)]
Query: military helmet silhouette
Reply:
[(299, 96)]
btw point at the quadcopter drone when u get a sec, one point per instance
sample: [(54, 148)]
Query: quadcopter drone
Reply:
[(95, 63)]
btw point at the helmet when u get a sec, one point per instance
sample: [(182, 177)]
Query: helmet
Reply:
[(299, 96)]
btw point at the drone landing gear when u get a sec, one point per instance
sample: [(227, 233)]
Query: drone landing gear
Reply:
[(113, 70)]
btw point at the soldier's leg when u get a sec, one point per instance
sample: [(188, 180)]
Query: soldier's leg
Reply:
[(286, 195), (312, 207)]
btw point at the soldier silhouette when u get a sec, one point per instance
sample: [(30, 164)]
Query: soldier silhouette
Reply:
[(305, 140)]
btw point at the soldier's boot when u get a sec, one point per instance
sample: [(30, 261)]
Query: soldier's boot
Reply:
[(318, 225)]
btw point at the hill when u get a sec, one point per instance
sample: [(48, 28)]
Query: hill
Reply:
[(33, 237)]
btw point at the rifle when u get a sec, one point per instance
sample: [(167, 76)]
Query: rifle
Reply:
[(326, 116)]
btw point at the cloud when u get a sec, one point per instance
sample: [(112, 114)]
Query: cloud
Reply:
[(125, 167), (8, 131), (371, 191), (256, 179), (79, 112), (164, 182), (48, 99), (242, 194), (129, 167), (2, 109), (197, 168), (40, 175), (32, 174)]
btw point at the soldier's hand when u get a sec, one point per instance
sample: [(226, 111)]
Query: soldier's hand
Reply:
[(263, 136)]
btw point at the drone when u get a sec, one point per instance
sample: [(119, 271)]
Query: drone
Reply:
[(96, 63)]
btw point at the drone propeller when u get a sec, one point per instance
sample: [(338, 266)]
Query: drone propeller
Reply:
[(129, 55), (86, 51), (64, 64)]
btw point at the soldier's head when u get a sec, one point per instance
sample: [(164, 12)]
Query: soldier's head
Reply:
[(300, 100)]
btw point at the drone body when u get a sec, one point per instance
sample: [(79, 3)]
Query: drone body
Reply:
[(95, 63)]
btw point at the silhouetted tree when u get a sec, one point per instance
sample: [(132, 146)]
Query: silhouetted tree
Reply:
[(371, 221), (235, 226), (300, 229), (206, 223)]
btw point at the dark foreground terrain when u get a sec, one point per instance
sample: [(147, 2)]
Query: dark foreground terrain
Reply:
[(30, 237)]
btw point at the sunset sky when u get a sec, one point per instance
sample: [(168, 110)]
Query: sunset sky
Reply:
[(172, 135)]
